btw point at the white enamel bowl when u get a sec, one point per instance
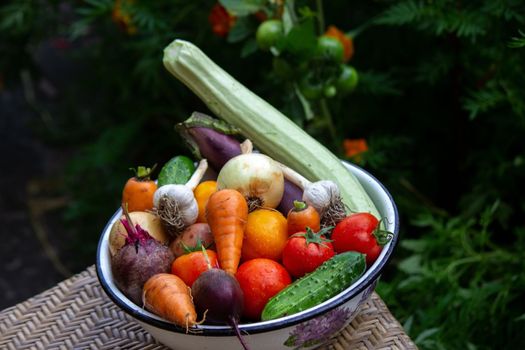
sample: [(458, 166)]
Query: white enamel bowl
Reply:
[(307, 329)]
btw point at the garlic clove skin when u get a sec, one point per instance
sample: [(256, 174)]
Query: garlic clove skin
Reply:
[(190, 213), (320, 194)]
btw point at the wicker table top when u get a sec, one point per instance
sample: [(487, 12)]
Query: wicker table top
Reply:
[(77, 314)]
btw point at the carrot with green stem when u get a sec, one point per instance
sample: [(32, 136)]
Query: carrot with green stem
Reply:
[(227, 212), (302, 216), (138, 191)]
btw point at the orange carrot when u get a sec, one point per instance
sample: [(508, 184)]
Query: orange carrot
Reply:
[(169, 297), (227, 212), (302, 216), (138, 190)]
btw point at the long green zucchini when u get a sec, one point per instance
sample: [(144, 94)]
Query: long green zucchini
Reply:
[(271, 131)]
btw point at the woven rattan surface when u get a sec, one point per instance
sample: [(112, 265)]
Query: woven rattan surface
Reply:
[(77, 314)]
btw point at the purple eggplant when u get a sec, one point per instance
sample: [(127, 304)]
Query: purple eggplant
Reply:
[(291, 193), (216, 141)]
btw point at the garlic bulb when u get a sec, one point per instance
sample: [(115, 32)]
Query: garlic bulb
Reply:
[(323, 195), (176, 205), (320, 194)]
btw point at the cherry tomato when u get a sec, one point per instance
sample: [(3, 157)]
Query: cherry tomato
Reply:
[(305, 251), (330, 48), (347, 80), (310, 87), (260, 279), (189, 266), (360, 232), (268, 33)]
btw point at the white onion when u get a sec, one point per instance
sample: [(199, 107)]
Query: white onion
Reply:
[(256, 176)]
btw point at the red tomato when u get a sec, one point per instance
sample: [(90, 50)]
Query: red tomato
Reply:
[(260, 279), (360, 232), (189, 266), (305, 251)]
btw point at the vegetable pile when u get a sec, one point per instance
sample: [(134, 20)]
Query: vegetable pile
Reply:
[(242, 237)]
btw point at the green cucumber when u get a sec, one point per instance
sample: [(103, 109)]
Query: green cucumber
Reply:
[(177, 170), (329, 279), (271, 131)]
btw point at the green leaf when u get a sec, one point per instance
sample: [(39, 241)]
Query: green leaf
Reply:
[(243, 28), (374, 83), (411, 265), (407, 325), (520, 318), (426, 334), (301, 41), (401, 13), (414, 245), (517, 42), (483, 100), (243, 7), (249, 47)]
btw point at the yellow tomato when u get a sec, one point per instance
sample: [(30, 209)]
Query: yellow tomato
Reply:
[(202, 193), (265, 235)]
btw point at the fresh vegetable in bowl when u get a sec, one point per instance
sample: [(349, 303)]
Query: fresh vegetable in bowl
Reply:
[(140, 258), (306, 251), (260, 279), (193, 236), (214, 140), (169, 297), (324, 196), (329, 279), (147, 221), (227, 212), (301, 217), (175, 204), (177, 170), (218, 295), (138, 191), (256, 176), (191, 265), (265, 235), (360, 232)]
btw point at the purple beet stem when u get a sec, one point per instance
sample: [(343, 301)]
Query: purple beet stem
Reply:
[(218, 148)]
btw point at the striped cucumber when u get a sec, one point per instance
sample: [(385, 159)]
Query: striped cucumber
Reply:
[(271, 131), (329, 279)]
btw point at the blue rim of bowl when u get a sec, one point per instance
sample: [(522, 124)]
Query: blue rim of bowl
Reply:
[(291, 320)]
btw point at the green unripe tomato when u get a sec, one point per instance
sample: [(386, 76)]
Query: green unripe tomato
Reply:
[(330, 91), (330, 48), (268, 33), (311, 89), (347, 80)]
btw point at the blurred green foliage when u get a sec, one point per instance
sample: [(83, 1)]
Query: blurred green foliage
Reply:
[(440, 102)]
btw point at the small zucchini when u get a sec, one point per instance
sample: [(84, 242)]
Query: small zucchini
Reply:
[(271, 131), (329, 279)]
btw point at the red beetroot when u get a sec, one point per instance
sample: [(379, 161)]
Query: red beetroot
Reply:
[(140, 258)]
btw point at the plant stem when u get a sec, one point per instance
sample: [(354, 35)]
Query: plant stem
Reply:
[(320, 15), (327, 116)]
